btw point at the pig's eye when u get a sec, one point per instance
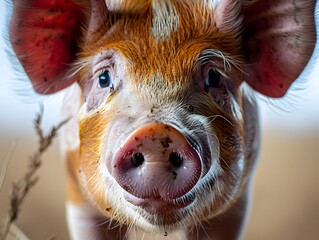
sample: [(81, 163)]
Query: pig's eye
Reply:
[(105, 79), (212, 79)]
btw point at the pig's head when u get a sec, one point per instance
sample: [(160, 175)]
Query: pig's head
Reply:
[(167, 134)]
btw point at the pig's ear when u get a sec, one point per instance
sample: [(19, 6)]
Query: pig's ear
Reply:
[(279, 38), (45, 36)]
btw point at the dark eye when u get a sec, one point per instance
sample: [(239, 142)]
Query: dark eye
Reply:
[(105, 79), (212, 80)]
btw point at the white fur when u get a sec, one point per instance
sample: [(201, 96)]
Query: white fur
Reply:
[(70, 139), (140, 234), (165, 19), (81, 222), (84, 224)]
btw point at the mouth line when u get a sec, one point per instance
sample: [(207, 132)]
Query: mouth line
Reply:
[(160, 206), (161, 213)]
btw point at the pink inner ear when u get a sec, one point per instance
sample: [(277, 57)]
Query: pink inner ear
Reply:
[(44, 35), (279, 40)]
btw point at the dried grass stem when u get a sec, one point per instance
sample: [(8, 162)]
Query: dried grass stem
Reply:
[(22, 186)]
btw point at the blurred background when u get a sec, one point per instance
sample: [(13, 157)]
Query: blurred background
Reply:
[(286, 188)]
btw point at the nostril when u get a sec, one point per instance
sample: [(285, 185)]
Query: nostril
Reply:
[(176, 159), (137, 159)]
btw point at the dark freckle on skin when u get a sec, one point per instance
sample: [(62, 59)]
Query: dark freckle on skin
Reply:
[(165, 143), (168, 128), (136, 138), (165, 234), (52, 10), (17, 42), (19, 24), (267, 75), (115, 166), (25, 59), (174, 175), (108, 209), (274, 50), (281, 85)]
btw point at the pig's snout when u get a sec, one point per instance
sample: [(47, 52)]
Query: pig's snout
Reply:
[(157, 162)]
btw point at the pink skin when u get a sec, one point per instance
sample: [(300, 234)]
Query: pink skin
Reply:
[(156, 162), (54, 24)]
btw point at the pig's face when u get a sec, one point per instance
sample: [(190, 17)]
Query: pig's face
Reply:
[(167, 134), (161, 128)]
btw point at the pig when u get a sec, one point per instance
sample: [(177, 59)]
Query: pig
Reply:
[(164, 135)]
